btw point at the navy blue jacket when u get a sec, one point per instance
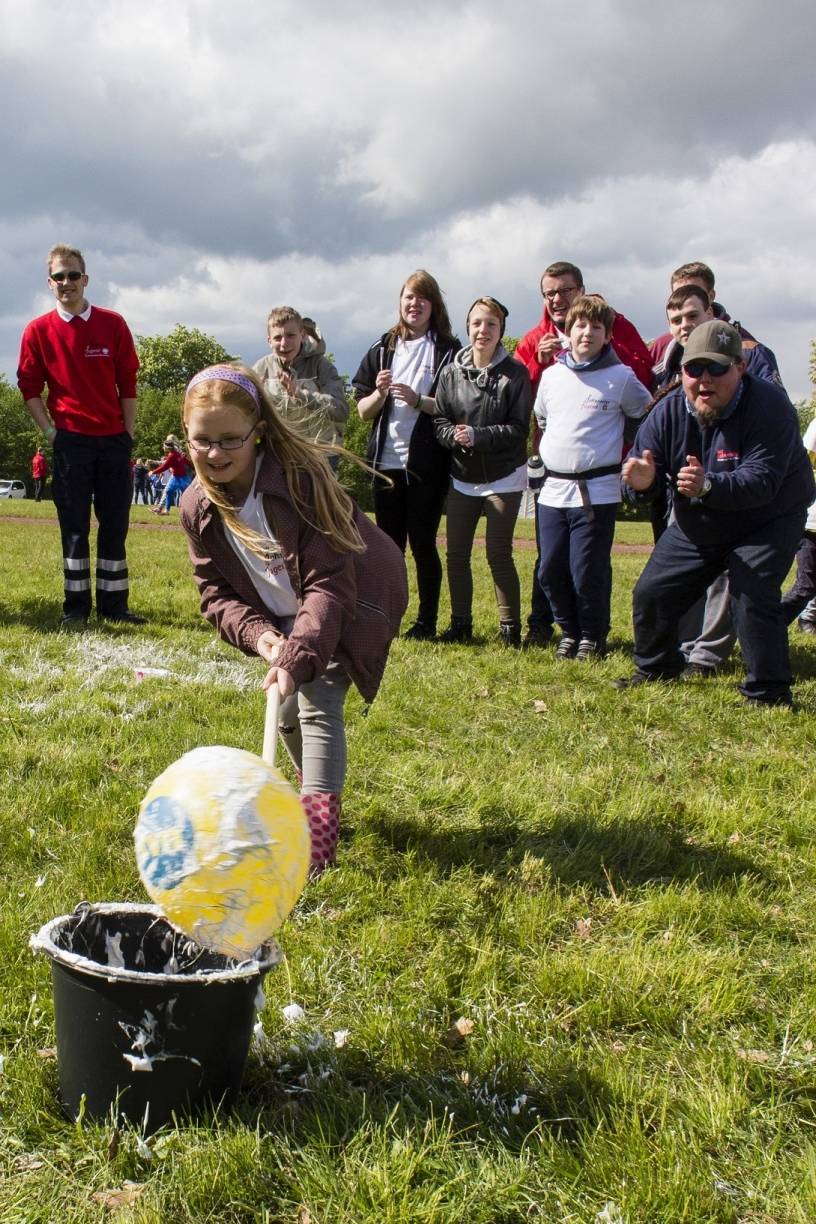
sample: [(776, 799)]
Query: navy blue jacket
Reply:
[(754, 457)]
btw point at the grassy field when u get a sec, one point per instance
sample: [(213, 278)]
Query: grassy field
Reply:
[(613, 894)]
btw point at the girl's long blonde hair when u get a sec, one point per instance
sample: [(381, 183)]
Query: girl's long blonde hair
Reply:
[(329, 509)]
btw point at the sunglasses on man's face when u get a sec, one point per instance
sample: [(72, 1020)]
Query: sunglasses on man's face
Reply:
[(696, 369), (59, 277)]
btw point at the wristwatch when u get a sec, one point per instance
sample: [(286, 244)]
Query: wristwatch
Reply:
[(706, 489)]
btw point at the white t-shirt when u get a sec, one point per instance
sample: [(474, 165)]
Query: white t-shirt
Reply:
[(810, 446), (269, 576), (516, 482), (581, 413), (413, 365)]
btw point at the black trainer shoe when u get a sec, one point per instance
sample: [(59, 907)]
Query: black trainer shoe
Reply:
[(420, 631), (567, 648), (510, 634), (536, 636), (590, 648), (699, 671), (122, 618), (634, 681), (459, 630), (74, 620)]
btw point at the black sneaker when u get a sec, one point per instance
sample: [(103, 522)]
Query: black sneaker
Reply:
[(567, 648), (634, 681), (74, 620), (536, 636), (420, 631), (786, 703), (122, 618), (590, 648), (699, 671), (459, 630), (510, 634)]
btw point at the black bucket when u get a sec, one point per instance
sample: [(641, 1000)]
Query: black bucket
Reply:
[(149, 1024)]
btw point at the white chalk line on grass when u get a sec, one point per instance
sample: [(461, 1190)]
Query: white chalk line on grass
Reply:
[(90, 662)]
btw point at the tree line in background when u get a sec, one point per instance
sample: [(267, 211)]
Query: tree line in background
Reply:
[(167, 365)]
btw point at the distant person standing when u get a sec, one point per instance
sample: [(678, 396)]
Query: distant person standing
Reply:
[(39, 470), (85, 356), (141, 484)]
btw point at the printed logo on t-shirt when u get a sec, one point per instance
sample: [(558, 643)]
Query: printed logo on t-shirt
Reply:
[(723, 456), (275, 565), (98, 350), (594, 404)]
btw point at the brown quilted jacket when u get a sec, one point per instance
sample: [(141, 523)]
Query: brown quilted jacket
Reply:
[(351, 604)]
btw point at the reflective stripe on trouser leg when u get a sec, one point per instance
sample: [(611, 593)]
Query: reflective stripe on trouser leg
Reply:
[(77, 585), (111, 576)]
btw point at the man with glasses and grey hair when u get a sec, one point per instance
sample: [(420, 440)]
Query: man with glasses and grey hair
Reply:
[(729, 444), (561, 285), (85, 357)]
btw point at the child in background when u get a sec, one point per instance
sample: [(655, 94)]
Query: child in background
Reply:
[(303, 383), (176, 463), (289, 568), (580, 405)]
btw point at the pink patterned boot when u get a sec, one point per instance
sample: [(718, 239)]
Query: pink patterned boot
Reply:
[(323, 814)]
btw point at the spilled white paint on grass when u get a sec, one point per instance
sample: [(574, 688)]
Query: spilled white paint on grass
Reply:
[(96, 657), (94, 662)]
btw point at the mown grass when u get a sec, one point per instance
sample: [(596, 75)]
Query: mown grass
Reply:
[(616, 890)]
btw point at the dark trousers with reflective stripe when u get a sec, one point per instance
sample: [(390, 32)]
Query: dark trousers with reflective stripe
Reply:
[(93, 471)]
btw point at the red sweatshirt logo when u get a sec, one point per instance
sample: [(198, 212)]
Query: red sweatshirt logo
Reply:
[(722, 456)]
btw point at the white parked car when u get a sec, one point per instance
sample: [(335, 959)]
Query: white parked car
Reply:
[(12, 488)]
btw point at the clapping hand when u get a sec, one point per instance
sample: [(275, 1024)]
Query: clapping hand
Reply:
[(640, 473)]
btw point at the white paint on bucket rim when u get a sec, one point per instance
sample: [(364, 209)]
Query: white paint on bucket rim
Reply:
[(265, 958)]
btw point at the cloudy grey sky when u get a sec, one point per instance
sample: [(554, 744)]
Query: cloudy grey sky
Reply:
[(215, 160)]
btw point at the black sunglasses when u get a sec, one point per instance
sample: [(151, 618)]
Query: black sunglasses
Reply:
[(696, 369), (59, 277)]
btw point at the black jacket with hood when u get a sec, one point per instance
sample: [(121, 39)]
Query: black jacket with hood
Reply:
[(496, 402)]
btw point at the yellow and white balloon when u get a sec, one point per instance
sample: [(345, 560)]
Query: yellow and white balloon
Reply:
[(222, 846)]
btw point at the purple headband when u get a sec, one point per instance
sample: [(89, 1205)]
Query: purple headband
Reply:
[(227, 374)]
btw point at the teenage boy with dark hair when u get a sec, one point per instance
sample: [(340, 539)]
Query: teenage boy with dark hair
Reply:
[(86, 357), (561, 284), (699, 274)]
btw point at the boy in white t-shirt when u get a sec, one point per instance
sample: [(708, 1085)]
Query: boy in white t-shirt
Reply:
[(581, 403)]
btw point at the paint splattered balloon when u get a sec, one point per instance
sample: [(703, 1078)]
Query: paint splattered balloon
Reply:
[(222, 845)]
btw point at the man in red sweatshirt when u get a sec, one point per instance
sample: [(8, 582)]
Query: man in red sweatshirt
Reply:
[(561, 284), (85, 356), (39, 470)]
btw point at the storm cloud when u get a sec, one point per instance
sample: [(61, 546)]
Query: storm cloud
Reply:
[(213, 162)]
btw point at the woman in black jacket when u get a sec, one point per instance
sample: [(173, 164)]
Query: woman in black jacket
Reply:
[(483, 406), (395, 388)]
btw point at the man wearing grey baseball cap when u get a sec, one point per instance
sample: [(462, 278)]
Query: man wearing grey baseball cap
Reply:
[(730, 446)]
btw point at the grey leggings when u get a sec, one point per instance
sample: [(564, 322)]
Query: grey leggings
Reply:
[(313, 732), (500, 511)]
